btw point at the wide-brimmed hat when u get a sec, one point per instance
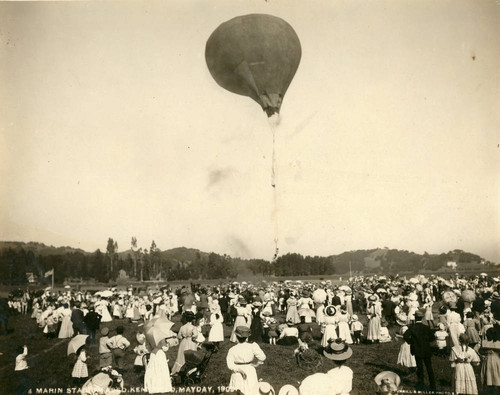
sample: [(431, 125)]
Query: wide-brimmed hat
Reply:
[(104, 331), (290, 322), (387, 376), (495, 295), (330, 310), (305, 292), (402, 319), (140, 337), (354, 317), (373, 298), (265, 388), (288, 389), (257, 303), (338, 350), (419, 315), (242, 331)]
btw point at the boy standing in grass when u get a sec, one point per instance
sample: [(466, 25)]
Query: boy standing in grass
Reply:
[(21, 371)]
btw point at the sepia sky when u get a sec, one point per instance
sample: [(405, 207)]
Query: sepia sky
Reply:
[(112, 126)]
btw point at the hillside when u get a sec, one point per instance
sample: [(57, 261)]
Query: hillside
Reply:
[(18, 258)]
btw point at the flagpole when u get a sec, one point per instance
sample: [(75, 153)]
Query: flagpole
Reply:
[(52, 278)]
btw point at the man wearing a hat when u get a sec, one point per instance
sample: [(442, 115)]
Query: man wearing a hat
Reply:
[(241, 360), (420, 336)]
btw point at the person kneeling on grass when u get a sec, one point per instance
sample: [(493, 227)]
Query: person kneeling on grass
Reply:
[(242, 359)]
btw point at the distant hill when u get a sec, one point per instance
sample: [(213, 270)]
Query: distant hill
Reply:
[(377, 260), (39, 248)]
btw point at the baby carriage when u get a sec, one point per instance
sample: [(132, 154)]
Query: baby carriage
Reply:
[(195, 365)]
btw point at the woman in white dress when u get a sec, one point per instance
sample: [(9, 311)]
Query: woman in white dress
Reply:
[(187, 335), (157, 377), (305, 307), (330, 325), (343, 324), (66, 324), (374, 312), (241, 360), (216, 334), (243, 317), (101, 307), (291, 312)]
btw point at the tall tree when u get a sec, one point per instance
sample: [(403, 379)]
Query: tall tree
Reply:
[(135, 253), (111, 251)]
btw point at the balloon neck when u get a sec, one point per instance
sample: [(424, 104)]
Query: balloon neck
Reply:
[(271, 103)]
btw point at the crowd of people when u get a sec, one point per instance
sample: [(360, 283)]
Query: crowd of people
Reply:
[(431, 316)]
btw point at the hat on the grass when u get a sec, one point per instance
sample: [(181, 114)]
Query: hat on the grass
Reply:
[(242, 331), (265, 388), (104, 331), (337, 350)]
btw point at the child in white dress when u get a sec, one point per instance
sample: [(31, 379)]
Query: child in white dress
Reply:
[(405, 357)]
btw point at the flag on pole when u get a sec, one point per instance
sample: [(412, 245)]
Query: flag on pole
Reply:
[(49, 273)]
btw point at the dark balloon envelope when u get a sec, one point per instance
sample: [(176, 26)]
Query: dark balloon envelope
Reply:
[(255, 55)]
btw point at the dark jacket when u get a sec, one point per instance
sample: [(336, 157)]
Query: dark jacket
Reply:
[(92, 320), (419, 336), (336, 301), (77, 319)]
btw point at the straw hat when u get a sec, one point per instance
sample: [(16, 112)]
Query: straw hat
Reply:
[(330, 311), (338, 351), (265, 388), (387, 376), (373, 298), (288, 389), (402, 319), (242, 331)]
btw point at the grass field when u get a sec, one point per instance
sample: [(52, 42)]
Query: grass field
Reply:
[(51, 368)]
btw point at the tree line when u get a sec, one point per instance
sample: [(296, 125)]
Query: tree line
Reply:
[(146, 264)]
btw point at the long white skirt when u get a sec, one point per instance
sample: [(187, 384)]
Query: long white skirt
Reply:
[(157, 376), (248, 386), (330, 333)]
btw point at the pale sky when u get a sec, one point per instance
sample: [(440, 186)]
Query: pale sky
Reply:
[(112, 126)]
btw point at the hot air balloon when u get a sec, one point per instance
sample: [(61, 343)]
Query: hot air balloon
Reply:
[(255, 55)]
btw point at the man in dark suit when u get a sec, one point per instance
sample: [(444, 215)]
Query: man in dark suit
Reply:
[(79, 326), (420, 336), (388, 307), (336, 301)]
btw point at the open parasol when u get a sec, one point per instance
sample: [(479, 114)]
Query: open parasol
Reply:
[(468, 295), (75, 343), (319, 296), (158, 329)]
